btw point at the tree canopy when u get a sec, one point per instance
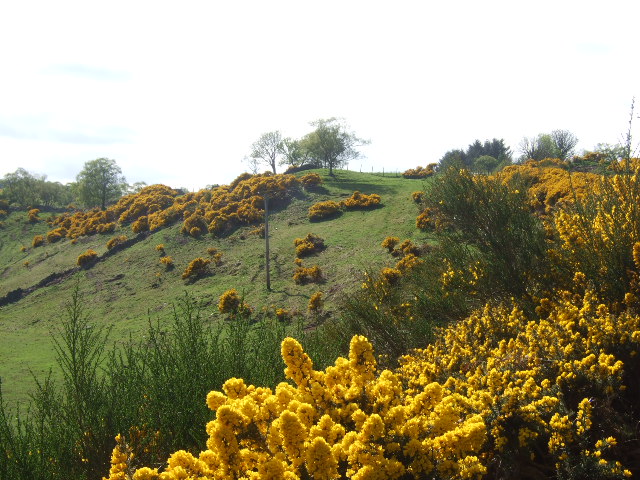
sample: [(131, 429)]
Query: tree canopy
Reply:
[(100, 182), (27, 189), (470, 158), (557, 144), (331, 144), (266, 150)]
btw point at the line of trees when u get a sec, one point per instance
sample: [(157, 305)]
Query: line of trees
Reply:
[(481, 157), (330, 145), (99, 183)]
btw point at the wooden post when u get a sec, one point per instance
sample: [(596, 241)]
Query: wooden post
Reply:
[(266, 238)]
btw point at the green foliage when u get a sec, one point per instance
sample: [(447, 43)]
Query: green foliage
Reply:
[(468, 158), (100, 182), (331, 144), (243, 263), (24, 189), (557, 144), (266, 150), (485, 164), (151, 389), (494, 221)]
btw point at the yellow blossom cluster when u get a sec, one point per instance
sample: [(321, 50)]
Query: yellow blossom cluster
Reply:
[(167, 261), (549, 183), (115, 241), (598, 236), (214, 211), (359, 201), (37, 241), (56, 234), (323, 210), (501, 385), (311, 181), (315, 302), (215, 255), (303, 275), (308, 245), (33, 215), (543, 380), (347, 421), (231, 302), (87, 258), (197, 267), (420, 172)]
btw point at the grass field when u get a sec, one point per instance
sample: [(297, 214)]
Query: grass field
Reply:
[(131, 286)]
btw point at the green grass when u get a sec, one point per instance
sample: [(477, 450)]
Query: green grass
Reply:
[(132, 286)]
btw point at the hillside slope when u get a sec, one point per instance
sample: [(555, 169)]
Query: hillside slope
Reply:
[(131, 286)]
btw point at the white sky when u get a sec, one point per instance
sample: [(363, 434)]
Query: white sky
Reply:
[(176, 92)]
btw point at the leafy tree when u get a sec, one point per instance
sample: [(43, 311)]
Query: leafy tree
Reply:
[(100, 182), (54, 193), (485, 164), (467, 158), (609, 152), (20, 187), (266, 150), (331, 144), (558, 144), (453, 158), (136, 187), (294, 153), (498, 150)]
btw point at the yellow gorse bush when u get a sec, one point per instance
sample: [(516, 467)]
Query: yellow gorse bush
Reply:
[(37, 241), (311, 180), (167, 261), (361, 201), (87, 258), (215, 211), (499, 385), (116, 241), (308, 245), (197, 267), (304, 275), (315, 302), (549, 183), (420, 172), (33, 215), (322, 210), (230, 302)]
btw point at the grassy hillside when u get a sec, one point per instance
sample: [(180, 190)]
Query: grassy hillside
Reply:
[(128, 288)]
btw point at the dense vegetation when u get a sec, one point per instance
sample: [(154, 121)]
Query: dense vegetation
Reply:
[(517, 326)]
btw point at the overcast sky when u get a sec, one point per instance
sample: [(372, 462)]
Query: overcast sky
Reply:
[(176, 92)]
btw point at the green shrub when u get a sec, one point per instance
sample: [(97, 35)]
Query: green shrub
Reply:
[(494, 220)]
